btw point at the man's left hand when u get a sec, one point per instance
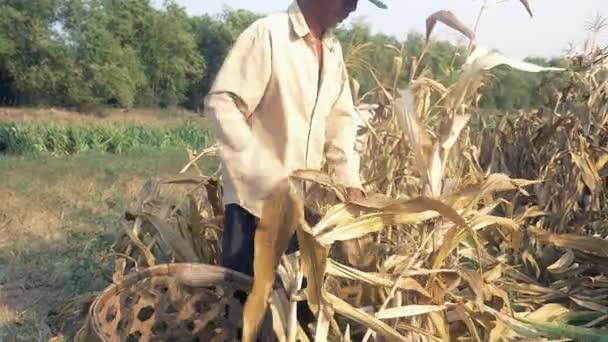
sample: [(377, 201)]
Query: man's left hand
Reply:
[(354, 194)]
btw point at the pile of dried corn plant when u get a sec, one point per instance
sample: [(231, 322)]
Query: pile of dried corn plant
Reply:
[(465, 235), (463, 247), (174, 218)]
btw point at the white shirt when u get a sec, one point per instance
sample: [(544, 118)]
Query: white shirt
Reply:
[(272, 118)]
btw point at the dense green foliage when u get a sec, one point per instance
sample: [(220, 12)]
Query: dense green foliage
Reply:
[(69, 139), (88, 53)]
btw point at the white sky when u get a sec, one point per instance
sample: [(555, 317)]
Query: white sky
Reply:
[(506, 26)]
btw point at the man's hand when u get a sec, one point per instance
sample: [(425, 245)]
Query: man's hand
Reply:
[(354, 194)]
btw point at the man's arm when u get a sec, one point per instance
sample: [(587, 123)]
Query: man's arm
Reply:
[(340, 138), (236, 92)]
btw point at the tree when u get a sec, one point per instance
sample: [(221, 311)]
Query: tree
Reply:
[(106, 70), (170, 56), (32, 55), (126, 53), (214, 37)]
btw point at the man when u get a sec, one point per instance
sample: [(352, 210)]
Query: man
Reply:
[(281, 102)]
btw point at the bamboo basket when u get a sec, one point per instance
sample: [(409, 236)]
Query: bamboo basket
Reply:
[(169, 302)]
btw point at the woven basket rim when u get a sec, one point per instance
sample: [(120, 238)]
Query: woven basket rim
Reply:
[(186, 272)]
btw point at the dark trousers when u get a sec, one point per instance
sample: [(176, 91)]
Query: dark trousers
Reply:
[(238, 247), (238, 239)]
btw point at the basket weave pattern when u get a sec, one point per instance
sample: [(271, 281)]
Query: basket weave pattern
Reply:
[(169, 302)]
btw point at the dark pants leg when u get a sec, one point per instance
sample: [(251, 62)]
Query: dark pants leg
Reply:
[(237, 240), (238, 249)]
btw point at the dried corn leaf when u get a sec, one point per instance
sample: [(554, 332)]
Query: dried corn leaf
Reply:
[(378, 202), (441, 324), (587, 244), (320, 178), (402, 212), (405, 111), (429, 82), (531, 289), (464, 316), (452, 240), (322, 331), (499, 333), (435, 167), (496, 291), (589, 172), (453, 129), (494, 274), (601, 162), (562, 264), (338, 214), (482, 221), (381, 328), (194, 156), (407, 284), (131, 233), (416, 330), (485, 59), (371, 223), (526, 4), (279, 309), (198, 232), (314, 260), (590, 305), (449, 19), (476, 283), (529, 258), (181, 246), (147, 194), (498, 182), (546, 313), (281, 214), (515, 326), (346, 337), (408, 311), (183, 179)]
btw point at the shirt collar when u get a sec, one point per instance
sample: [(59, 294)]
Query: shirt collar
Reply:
[(298, 22), (300, 27)]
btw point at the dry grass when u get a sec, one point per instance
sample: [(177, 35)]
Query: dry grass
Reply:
[(57, 223), (139, 116)]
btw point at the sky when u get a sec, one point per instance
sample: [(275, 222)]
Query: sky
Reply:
[(505, 26)]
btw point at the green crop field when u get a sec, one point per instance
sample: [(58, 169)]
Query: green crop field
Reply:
[(68, 139)]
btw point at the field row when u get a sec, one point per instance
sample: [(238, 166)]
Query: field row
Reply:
[(17, 138)]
